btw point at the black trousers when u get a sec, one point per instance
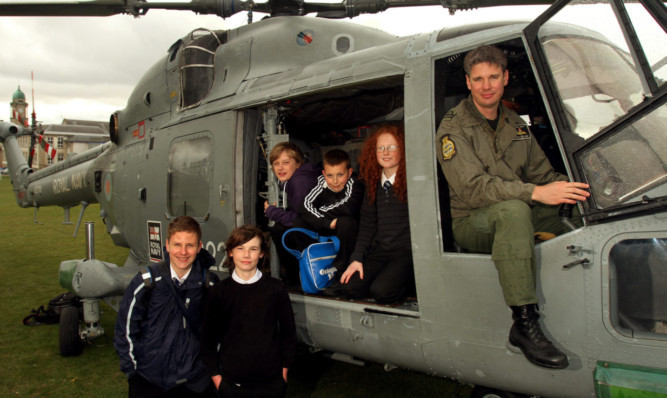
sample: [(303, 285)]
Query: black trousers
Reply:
[(274, 388), (388, 276), (142, 388)]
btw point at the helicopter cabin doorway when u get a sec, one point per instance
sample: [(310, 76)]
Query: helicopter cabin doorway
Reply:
[(339, 119)]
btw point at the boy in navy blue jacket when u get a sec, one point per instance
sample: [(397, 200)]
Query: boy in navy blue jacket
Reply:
[(332, 208), (156, 337)]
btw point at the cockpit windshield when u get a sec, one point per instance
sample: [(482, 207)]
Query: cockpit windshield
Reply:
[(630, 165), (599, 83), (596, 82)]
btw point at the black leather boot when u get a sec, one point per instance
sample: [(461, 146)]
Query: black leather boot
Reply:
[(527, 335)]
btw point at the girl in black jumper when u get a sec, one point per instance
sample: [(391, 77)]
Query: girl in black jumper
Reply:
[(250, 317), (381, 264)]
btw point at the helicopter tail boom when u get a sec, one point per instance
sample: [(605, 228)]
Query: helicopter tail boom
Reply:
[(18, 166), (67, 183)]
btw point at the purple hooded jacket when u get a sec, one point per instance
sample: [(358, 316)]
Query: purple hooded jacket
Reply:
[(295, 190)]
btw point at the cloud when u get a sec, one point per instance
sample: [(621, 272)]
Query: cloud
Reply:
[(87, 67), (83, 63)]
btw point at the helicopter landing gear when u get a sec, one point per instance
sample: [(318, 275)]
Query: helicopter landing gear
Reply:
[(70, 339), (73, 333), (486, 392)]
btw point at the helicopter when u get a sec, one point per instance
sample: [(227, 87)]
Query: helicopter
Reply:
[(195, 133)]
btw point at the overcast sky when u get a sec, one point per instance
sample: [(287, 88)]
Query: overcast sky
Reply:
[(85, 68)]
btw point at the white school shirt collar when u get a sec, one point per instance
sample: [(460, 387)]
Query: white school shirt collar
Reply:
[(252, 280), (390, 179), (174, 275)]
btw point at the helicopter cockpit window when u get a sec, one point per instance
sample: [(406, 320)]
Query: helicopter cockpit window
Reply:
[(638, 287), (197, 65), (653, 40), (630, 165), (598, 83), (189, 176), (594, 72)]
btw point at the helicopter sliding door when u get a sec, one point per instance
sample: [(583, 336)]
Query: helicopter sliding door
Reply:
[(199, 170)]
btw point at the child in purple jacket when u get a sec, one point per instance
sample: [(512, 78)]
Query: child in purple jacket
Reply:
[(295, 178)]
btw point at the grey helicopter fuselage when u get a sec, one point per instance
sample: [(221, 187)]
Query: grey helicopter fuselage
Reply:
[(193, 138)]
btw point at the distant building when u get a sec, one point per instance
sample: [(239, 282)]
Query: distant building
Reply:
[(17, 114), (68, 138)]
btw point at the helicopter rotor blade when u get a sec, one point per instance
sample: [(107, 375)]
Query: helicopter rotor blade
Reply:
[(227, 8), (103, 8), (352, 8), (50, 150)]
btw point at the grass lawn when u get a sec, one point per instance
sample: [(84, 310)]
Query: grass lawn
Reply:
[(30, 362), (31, 255)]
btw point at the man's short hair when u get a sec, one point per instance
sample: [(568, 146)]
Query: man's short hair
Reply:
[(490, 54), (335, 157), (184, 224), (293, 151)]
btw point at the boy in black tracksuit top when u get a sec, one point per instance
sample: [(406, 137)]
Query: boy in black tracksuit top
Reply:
[(332, 206)]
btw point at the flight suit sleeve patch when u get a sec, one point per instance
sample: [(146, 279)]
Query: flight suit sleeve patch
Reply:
[(448, 149), (522, 132), (450, 115)]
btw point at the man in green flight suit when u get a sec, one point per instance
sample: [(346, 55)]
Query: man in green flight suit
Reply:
[(503, 188)]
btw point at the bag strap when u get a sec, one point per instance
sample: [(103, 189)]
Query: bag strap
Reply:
[(308, 232), (313, 235), (333, 239), (181, 306), (294, 252), (41, 316)]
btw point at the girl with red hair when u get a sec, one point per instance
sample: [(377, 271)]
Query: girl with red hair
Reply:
[(381, 264)]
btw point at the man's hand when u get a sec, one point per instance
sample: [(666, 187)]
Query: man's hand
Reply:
[(333, 224), (560, 192), (356, 266)]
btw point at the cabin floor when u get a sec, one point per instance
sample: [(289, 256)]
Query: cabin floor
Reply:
[(407, 304)]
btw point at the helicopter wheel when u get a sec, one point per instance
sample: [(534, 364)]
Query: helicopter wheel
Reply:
[(486, 392), (70, 340)]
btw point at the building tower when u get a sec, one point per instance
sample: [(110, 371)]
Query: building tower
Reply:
[(19, 115), (19, 108)]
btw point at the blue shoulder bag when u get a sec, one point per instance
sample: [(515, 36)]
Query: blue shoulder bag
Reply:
[(315, 261)]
